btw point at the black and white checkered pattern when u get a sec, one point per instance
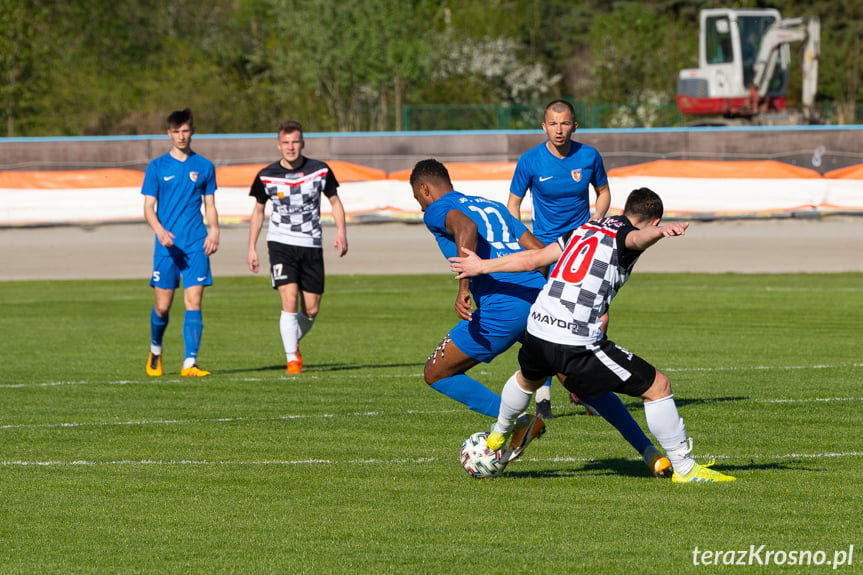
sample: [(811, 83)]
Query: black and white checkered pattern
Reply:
[(295, 196), (296, 209), (585, 279)]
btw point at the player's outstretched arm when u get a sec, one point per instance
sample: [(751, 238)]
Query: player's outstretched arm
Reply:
[(472, 265), (646, 236)]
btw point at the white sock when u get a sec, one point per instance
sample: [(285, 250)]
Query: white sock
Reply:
[(513, 402), (288, 328), (304, 325), (543, 393), (155, 349), (669, 430), (188, 362)]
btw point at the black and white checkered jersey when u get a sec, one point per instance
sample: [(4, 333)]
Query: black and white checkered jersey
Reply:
[(594, 264), (296, 200)]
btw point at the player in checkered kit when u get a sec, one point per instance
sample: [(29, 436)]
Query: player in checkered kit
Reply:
[(294, 186), (564, 330)]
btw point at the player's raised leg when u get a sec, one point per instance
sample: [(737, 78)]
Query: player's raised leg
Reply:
[(514, 399), (445, 373)]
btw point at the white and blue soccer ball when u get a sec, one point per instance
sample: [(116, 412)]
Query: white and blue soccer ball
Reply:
[(477, 459)]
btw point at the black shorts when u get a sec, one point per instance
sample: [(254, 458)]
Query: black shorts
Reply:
[(297, 265), (589, 370)]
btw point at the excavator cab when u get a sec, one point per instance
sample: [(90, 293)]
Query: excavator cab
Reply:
[(729, 45)]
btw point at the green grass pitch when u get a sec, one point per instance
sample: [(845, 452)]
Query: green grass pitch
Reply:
[(352, 467)]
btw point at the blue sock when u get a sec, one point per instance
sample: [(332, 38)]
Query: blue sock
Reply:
[(157, 327), (470, 392), (614, 412), (193, 326)]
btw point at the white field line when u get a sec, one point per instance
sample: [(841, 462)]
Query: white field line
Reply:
[(760, 368), (757, 289), (263, 296), (143, 422), (375, 461), (175, 380), (288, 417), (418, 373)]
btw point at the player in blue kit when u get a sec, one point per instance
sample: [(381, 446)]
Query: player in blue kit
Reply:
[(502, 301), (559, 173), (459, 221), (175, 186)]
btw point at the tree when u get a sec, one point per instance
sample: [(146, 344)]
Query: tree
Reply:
[(108, 67), (23, 30), (348, 58), (637, 50)]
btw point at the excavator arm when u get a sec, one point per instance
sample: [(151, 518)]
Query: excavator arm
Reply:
[(781, 33)]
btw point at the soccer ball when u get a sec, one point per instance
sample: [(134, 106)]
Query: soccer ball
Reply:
[(477, 459)]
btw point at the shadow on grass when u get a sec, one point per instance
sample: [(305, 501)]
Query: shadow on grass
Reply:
[(321, 367), (795, 465), (631, 468), (598, 467)]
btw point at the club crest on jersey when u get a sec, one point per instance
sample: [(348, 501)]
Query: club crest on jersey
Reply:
[(193, 176), (576, 175)]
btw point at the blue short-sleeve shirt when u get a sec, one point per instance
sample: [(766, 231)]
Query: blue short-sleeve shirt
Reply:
[(179, 189), (559, 186)]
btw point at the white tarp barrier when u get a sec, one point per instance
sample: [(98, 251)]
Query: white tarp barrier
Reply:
[(771, 189), (722, 197), (842, 195)]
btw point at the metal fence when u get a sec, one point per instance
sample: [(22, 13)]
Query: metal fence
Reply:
[(590, 116)]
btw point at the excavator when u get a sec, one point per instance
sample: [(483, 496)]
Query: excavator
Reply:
[(743, 64)]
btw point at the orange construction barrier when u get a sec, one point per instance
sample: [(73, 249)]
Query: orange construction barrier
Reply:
[(72, 179), (469, 171), (761, 169), (848, 173)]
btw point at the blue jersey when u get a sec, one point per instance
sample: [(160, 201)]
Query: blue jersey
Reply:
[(559, 186), (179, 189), (497, 235)]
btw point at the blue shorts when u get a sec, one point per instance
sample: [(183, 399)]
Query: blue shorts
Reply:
[(194, 268), (495, 326)]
